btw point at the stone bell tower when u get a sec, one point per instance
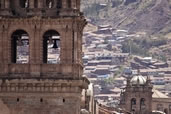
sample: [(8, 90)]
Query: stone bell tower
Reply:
[(137, 96), (41, 56)]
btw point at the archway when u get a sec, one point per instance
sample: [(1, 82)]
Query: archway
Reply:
[(20, 47), (35, 3), (142, 105), (59, 4), (166, 111), (133, 104), (49, 3), (51, 47), (24, 3)]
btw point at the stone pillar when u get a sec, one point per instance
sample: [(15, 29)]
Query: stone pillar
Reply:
[(75, 46), (1, 45), (80, 47), (37, 40), (6, 53), (34, 44), (41, 4), (74, 2), (78, 4), (62, 39), (64, 3), (68, 47), (31, 4), (7, 4)]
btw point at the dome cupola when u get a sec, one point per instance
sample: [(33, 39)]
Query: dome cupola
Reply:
[(138, 80)]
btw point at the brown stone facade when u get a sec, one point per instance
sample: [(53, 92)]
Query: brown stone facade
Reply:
[(38, 87), (137, 97)]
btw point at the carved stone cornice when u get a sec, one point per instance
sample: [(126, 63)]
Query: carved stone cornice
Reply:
[(42, 85)]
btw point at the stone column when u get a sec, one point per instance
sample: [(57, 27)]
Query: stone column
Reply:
[(78, 4), (64, 3), (73, 4), (69, 45), (1, 45), (1, 50), (6, 48), (7, 4), (35, 51), (31, 4), (41, 4)]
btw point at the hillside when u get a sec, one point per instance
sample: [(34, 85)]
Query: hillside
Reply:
[(149, 16)]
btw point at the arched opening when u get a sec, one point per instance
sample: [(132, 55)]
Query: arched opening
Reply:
[(49, 3), (51, 47), (20, 47), (69, 3), (159, 107), (59, 4), (166, 111), (24, 3), (142, 104), (169, 108), (0, 4), (35, 3), (133, 104)]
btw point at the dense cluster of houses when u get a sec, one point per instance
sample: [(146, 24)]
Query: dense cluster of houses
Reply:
[(104, 60)]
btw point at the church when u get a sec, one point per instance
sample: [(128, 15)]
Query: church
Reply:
[(139, 97)]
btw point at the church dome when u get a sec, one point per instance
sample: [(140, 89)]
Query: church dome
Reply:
[(138, 80)]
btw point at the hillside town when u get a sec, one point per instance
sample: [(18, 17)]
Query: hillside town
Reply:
[(108, 68)]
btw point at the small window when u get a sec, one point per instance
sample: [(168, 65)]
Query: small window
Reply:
[(24, 3), (49, 3), (133, 101), (41, 100), (18, 99)]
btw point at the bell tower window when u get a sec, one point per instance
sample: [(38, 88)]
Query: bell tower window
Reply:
[(24, 3), (59, 4), (142, 104), (20, 47), (35, 3), (0, 4), (49, 3), (133, 104), (51, 47)]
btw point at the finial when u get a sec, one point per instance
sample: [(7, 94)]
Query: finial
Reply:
[(138, 70)]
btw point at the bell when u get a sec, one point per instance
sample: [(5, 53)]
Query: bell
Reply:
[(50, 40), (55, 46), (20, 43)]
